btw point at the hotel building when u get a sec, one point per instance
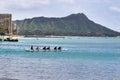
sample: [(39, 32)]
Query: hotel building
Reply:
[(6, 23)]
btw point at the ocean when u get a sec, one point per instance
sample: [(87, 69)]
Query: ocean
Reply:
[(82, 58)]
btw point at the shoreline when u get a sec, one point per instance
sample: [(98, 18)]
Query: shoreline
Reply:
[(47, 36), (13, 37), (39, 36)]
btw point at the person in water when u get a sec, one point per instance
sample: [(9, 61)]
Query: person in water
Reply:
[(44, 48), (55, 48), (48, 48), (32, 48), (59, 48), (37, 48)]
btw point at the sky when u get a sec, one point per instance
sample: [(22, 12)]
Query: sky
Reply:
[(104, 12)]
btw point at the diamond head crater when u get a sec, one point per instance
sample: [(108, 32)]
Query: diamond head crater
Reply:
[(72, 25)]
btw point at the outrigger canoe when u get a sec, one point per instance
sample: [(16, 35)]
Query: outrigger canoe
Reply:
[(41, 50)]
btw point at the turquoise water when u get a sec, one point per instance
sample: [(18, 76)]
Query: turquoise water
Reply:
[(84, 58)]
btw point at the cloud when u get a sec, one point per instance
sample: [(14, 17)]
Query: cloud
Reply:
[(22, 3), (66, 1), (114, 8)]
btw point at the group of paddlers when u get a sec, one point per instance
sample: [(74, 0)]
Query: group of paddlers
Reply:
[(46, 48)]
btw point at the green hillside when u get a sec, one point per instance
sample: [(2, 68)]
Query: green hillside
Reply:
[(72, 25)]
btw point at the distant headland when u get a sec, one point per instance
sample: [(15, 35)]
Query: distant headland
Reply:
[(72, 25)]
